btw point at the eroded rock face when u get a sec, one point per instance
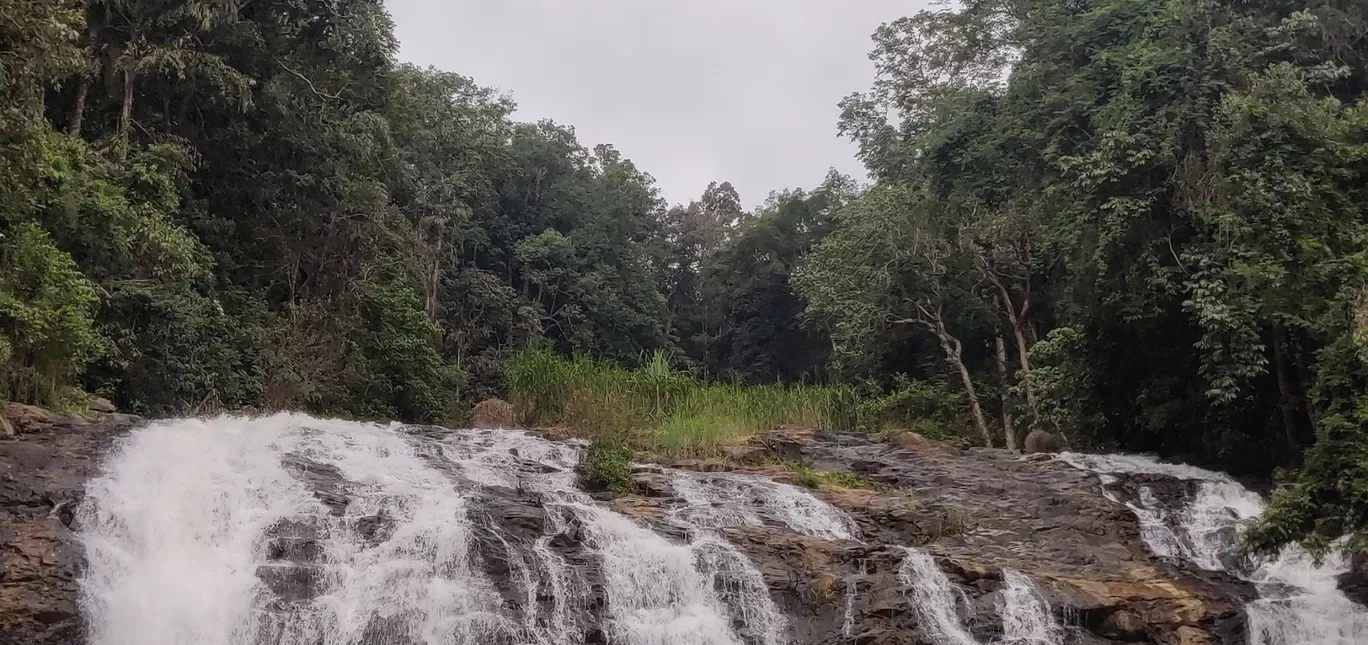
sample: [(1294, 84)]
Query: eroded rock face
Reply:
[(43, 470), (980, 511), (1354, 583), (977, 512)]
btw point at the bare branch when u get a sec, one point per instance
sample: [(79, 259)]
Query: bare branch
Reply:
[(335, 97)]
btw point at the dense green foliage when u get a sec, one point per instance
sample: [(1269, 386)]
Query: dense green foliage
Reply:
[(607, 465), (1141, 224), (1159, 206)]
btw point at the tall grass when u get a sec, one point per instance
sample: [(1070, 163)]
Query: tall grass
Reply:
[(663, 411)]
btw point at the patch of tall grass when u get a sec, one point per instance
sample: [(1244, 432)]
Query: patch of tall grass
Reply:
[(666, 412)]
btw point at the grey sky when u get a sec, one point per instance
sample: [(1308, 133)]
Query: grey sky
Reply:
[(693, 91)]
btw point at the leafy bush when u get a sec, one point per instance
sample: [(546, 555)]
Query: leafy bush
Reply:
[(1063, 379), (170, 349), (395, 369), (928, 407), (47, 325), (607, 465), (804, 475)]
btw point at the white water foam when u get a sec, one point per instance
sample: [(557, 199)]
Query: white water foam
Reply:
[(175, 531), (658, 593), (1026, 617), (716, 500), (1300, 602), (655, 596), (934, 599), (1024, 612)]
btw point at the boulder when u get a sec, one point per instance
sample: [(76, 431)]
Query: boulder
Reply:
[(28, 418), (101, 405), (495, 413), (1354, 582)]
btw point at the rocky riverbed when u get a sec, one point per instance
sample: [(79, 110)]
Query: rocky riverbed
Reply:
[(979, 513)]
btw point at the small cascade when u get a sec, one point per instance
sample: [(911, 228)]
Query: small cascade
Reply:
[(655, 595), (1025, 614), (851, 591), (934, 598), (717, 500), (1026, 617), (1300, 603), (657, 592), (193, 522), (742, 588), (714, 501)]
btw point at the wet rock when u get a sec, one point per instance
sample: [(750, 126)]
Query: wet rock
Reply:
[(42, 474), (373, 529), (25, 419), (292, 582), (1354, 582), (326, 481), (981, 511)]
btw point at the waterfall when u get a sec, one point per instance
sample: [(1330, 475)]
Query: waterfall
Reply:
[(1026, 618), (192, 518), (658, 593), (934, 598), (1025, 614), (1299, 603), (714, 501), (655, 595)]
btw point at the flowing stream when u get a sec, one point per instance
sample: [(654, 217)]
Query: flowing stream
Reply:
[(1299, 603)]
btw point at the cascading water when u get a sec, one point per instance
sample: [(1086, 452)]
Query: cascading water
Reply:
[(191, 516), (1300, 604), (934, 598), (1026, 618), (658, 593), (1025, 614), (714, 501), (290, 530), (718, 500)]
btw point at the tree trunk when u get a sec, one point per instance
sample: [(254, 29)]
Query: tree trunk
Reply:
[(1008, 427), (1023, 351), (126, 115), (1019, 323), (953, 355), (1286, 398), (78, 111)]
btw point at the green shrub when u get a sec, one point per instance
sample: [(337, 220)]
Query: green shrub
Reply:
[(1062, 373), (47, 323), (805, 476), (928, 407), (607, 465), (395, 369)]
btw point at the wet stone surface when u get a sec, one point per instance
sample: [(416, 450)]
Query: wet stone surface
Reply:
[(977, 512)]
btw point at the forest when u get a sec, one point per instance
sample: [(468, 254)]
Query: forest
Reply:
[(1141, 224)]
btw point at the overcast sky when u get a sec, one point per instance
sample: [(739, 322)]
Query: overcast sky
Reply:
[(693, 91)]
